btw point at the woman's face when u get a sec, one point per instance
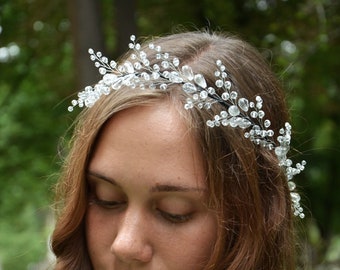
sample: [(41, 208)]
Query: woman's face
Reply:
[(147, 202)]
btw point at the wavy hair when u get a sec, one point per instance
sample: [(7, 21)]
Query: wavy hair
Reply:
[(247, 188)]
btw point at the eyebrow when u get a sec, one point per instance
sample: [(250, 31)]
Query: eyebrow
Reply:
[(103, 177), (155, 188), (174, 188)]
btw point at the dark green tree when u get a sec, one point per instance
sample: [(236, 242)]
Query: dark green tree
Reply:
[(43, 61)]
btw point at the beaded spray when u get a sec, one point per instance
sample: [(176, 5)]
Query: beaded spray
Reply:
[(238, 113)]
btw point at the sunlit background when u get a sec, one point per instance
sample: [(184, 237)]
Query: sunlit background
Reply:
[(43, 62)]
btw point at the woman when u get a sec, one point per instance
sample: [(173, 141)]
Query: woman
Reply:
[(179, 162)]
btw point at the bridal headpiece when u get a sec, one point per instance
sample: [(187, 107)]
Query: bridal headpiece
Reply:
[(238, 112)]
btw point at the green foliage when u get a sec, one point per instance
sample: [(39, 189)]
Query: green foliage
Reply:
[(31, 87), (299, 38)]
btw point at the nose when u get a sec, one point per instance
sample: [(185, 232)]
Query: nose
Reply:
[(131, 244)]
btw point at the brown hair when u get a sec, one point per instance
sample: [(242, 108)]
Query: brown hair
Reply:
[(248, 189)]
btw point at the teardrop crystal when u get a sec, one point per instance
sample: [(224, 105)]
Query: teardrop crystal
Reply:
[(117, 84), (295, 197), (243, 103), (175, 78), (187, 72), (291, 185), (129, 67), (189, 88), (199, 79)]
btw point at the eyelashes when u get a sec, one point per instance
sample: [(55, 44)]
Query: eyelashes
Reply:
[(118, 205), (107, 204), (175, 218)]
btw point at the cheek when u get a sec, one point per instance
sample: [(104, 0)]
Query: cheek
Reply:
[(192, 248), (99, 236)]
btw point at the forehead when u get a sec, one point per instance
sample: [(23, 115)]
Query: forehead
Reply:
[(159, 123), (152, 141)]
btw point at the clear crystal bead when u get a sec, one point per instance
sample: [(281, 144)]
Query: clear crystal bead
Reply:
[(129, 67), (224, 114), (227, 85), (203, 94), (234, 110), (258, 99), (261, 114), (210, 123), (137, 65), (219, 83), (102, 70), (211, 90), (187, 72), (207, 105), (175, 78), (155, 75), (233, 95), (225, 96), (267, 123), (156, 67), (117, 84), (281, 151), (243, 103), (113, 64), (146, 76), (295, 197), (166, 74), (225, 122), (253, 114), (165, 64), (199, 79), (189, 88), (245, 123), (270, 133), (142, 55)]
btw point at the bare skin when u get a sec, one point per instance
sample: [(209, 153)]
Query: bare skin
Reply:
[(148, 195)]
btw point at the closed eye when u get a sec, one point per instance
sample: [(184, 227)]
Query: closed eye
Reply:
[(107, 204), (175, 218)]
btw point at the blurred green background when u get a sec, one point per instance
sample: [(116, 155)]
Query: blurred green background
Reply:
[(43, 62)]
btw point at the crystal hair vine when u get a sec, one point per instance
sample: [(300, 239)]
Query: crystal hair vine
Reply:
[(239, 112)]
